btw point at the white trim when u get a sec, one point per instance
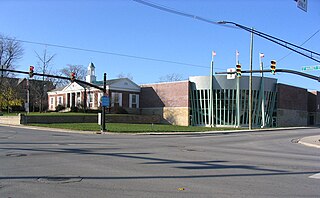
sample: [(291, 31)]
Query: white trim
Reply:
[(100, 94), (137, 100), (52, 103), (113, 94)]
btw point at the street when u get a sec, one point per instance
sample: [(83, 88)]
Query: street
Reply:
[(37, 163)]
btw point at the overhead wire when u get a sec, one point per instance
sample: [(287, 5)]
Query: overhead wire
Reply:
[(280, 59), (109, 53), (271, 38)]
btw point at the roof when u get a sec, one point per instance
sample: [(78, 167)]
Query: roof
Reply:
[(98, 83)]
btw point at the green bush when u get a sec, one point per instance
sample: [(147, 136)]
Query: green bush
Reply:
[(60, 108), (74, 109)]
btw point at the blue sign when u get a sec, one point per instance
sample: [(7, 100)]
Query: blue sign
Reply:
[(105, 100)]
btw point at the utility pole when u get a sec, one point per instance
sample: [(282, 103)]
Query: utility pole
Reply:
[(263, 123), (238, 94), (211, 120)]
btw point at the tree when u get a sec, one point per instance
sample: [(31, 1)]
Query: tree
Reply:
[(43, 67), (79, 70), (171, 77), (9, 96), (10, 52), (122, 75)]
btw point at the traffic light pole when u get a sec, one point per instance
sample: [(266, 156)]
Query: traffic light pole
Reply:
[(317, 78), (53, 76)]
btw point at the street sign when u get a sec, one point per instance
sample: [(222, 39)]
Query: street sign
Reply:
[(105, 100), (310, 68), (231, 76), (302, 4)]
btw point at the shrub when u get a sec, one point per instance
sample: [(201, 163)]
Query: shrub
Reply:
[(60, 108), (118, 110), (74, 109)]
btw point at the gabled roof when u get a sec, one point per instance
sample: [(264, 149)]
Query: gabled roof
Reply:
[(121, 84)]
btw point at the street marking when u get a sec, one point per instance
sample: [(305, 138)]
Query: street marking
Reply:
[(315, 176)]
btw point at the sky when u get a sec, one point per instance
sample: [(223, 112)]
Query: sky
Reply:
[(124, 36)]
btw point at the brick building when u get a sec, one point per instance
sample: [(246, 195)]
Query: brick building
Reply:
[(191, 102), (32, 92), (170, 100), (122, 92), (188, 102)]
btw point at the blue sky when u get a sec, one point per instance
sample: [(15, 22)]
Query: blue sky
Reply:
[(129, 28)]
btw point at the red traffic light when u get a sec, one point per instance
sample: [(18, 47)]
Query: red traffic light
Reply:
[(72, 76), (31, 68)]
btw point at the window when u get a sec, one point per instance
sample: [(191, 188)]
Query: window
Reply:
[(99, 99), (116, 99), (60, 100), (52, 106), (134, 101), (91, 100)]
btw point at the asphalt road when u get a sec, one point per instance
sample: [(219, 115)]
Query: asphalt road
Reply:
[(36, 163)]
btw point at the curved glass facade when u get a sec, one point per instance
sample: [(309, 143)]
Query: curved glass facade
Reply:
[(228, 106)]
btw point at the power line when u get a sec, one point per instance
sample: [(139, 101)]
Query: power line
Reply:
[(110, 53), (300, 45), (283, 43)]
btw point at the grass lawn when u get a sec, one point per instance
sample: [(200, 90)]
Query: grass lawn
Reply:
[(133, 128)]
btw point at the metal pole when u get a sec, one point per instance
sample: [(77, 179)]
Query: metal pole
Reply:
[(104, 108), (263, 124), (250, 81), (238, 94), (211, 122), (28, 96)]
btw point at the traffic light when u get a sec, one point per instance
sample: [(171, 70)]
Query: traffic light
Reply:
[(72, 76), (238, 70), (273, 67), (31, 71)]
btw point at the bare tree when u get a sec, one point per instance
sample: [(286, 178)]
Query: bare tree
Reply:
[(43, 67), (10, 52), (171, 77), (79, 70), (122, 75)]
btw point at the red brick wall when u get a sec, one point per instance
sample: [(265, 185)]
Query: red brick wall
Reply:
[(294, 98), (171, 94), (312, 101)]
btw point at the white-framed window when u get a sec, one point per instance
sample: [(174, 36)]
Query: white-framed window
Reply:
[(52, 105), (60, 100), (133, 101), (116, 99), (91, 99), (78, 98), (99, 99)]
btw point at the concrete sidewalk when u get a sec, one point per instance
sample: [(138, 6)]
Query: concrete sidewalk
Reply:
[(313, 141)]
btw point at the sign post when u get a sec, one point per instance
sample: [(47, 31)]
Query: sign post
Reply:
[(105, 102)]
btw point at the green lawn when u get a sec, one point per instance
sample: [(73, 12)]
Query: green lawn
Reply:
[(127, 128)]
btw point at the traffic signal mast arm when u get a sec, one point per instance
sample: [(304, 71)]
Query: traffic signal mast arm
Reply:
[(53, 76), (317, 78)]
